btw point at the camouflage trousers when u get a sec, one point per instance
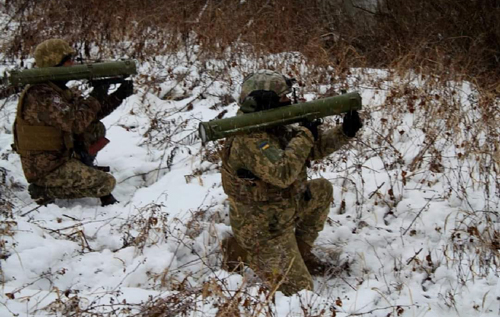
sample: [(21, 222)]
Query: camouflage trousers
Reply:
[(269, 233), (74, 179)]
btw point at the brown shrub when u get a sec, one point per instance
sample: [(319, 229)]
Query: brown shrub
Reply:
[(446, 37)]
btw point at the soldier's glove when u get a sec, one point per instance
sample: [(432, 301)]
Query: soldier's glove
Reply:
[(313, 127), (351, 124), (125, 90), (100, 90)]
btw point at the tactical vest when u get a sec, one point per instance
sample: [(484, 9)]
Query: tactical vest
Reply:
[(251, 190), (34, 139)]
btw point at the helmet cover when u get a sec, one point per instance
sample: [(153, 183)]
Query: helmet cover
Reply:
[(264, 79), (51, 52)]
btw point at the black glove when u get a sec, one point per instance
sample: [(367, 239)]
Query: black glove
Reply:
[(100, 90), (313, 126), (351, 124), (125, 90), (110, 102)]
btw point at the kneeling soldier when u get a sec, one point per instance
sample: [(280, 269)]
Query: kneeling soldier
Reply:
[(57, 133), (275, 212)]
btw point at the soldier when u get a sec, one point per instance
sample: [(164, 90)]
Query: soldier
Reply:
[(57, 133), (275, 212)]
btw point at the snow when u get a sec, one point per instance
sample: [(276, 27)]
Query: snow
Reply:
[(402, 238)]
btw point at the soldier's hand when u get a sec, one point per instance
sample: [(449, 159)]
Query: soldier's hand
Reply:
[(351, 124), (313, 127), (100, 90), (125, 90)]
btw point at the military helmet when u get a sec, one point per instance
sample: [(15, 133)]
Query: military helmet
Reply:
[(264, 79), (51, 52)]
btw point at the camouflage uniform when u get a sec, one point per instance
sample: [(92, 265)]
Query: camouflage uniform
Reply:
[(52, 122), (272, 205)]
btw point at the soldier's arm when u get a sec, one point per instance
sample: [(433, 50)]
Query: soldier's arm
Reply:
[(328, 142), (109, 104), (271, 164), (47, 106)]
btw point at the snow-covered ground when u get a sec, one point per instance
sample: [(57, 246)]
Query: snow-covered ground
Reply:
[(410, 226)]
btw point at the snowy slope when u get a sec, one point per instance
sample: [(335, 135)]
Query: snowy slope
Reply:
[(408, 238)]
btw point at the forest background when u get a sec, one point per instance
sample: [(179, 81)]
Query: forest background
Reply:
[(441, 44)]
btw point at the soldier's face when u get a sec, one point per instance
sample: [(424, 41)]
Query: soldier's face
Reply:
[(69, 62), (284, 99)]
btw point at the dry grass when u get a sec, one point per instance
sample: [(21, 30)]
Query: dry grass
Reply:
[(439, 43), (440, 37)]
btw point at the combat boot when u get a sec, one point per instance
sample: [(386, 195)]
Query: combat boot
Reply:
[(234, 256), (108, 200), (39, 195), (314, 265)]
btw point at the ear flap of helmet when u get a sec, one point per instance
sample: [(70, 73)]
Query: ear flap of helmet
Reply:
[(259, 100), (249, 105)]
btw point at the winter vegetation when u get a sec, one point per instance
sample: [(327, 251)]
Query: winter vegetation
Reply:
[(414, 229)]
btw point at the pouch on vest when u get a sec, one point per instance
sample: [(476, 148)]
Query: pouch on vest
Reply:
[(39, 138)]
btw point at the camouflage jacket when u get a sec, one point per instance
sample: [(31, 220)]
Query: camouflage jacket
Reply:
[(271, 165), (64, 109)]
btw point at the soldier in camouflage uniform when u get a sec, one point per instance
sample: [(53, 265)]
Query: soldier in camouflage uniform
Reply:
[(275, 212), (57, 133)]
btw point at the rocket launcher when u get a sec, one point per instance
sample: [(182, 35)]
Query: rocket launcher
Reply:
[(305, 111), (112, 72)]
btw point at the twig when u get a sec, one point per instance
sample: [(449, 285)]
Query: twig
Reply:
[(413, 257), (418, 215), (370, 312), (375, 191), (30, 211), (72, 218), (275, 289), (348, 284), (363, 9), (202, 11), (84, 239)]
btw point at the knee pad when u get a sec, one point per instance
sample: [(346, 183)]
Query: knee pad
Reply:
[(108, 184)]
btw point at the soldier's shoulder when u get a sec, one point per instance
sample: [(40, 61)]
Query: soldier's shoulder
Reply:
[(46, 97), (41, 90)]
